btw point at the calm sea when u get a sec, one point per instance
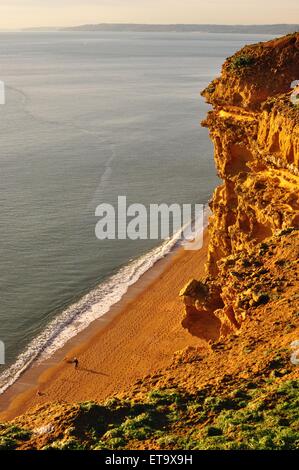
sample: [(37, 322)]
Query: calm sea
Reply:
[(88, 117)]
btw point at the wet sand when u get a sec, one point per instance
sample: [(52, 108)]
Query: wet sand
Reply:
[(138, 337)]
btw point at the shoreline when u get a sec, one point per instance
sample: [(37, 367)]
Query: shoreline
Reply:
[(137, 336), (93, 305)]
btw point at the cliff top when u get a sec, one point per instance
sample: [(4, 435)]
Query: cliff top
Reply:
[(255, 73)]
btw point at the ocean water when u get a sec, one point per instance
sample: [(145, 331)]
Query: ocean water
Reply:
[(88, 117)]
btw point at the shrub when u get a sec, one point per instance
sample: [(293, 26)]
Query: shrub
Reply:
[(87, 405), (7, 443), (164, 397), (111, 444), (168, 440), (68, 444), (218, 404), (213, 431), (242, 61)]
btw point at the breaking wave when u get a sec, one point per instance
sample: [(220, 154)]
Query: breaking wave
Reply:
[(89, 308)]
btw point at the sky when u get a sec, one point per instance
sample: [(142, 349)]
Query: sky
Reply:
[(15, 14)]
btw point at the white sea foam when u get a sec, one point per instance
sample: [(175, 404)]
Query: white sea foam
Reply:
[(92, 306)]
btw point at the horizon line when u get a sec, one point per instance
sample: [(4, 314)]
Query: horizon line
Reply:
[(23, 29)]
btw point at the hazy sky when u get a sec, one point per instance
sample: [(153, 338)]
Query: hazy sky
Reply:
[(26, 13)]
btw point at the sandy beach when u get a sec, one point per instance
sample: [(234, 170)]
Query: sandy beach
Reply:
[(140, 338)]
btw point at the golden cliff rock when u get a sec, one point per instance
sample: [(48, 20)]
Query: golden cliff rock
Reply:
[(254, 126)]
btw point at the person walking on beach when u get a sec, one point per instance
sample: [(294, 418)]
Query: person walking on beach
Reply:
[(76, 362)]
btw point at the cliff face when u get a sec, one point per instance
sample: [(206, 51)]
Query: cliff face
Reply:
[(254, 126)]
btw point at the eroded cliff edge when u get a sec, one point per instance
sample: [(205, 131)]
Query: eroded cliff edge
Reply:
[(254, 125)]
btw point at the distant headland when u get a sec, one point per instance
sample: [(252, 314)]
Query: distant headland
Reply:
[(201, 28)]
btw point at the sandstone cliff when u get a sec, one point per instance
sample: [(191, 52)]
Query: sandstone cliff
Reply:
[(254, 126)]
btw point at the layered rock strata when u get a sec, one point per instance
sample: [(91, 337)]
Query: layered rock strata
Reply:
[(254, 126)]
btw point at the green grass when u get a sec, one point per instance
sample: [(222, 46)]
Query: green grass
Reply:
[(261, 414), (11, 435)]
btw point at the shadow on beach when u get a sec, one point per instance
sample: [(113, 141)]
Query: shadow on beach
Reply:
[(92, 371)]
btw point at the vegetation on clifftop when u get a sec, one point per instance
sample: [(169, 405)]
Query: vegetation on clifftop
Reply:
[(242, 61), (262, 414)]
